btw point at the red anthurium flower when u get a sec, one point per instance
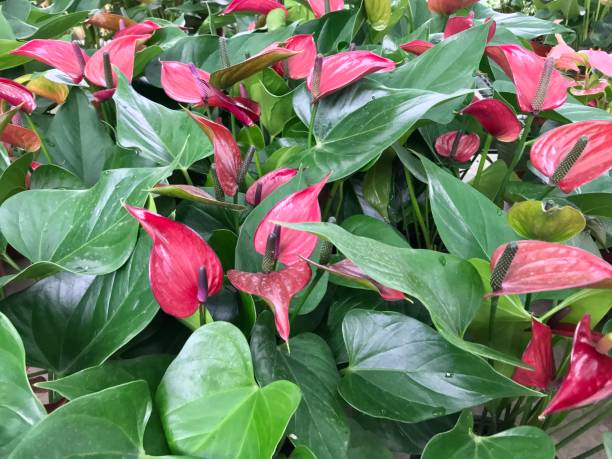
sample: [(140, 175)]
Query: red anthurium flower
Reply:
[(59, 54), (496, 118), (598, 88), (542, 266), (17, 94), (457, 145), (102, 95), (589, 378), (417, 47), (574, 154), (539, 355), (300, 65), (302, 206), (538, 85), (253, 6), (458, 24), (318, 6), (20, 137), (186, 83), (227, 153), (342, 69), (177, 256), (276, 288), (448, 6), (599, 60), (142, 28), (266, 184)]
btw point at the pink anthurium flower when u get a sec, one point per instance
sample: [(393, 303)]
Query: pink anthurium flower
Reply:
[(496, 118), (342, 69), (542, 266), (20, 137), (186, 83), (458, 24), (597, 88), (300, 65), (589, 378), (276, 288), (17, 94), (574, 154), (266, 184), (142, 28), (457, 145), (599, 60), (538, 85), (301, 206), (564, 55), (539, 355), (227, 153), (253, 6), (448, 6), (183, 269), (318, 6), (417, 47), (62, 55)]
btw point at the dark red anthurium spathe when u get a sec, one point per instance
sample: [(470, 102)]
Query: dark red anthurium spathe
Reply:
[(542, 266), (186, 83), (448, 6), (110, 21), (539, 86), (142, 28), (496, 118), (458, 24), (589, 378), (20, 137), (553, 152), (301, 206), (276, 288), (457, 145), (177, 255), (17, 94), (417, 47), (266, 184), (59, 54), (342, 69), (318, 6), (227, 153), (253, 6), (539, 355), (300, 65)]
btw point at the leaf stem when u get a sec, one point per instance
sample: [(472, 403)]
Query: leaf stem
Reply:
[(42, 142), (417, 208), (9, 261), (185, 173), (590, 452), (313, 114), (483, 160)]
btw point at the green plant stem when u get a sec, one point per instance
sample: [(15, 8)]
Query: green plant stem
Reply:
[(417, 209), (313, 114), (549, 190), (185, 173), (582, 429), (298, 308), (492, 314), (335, 187), (202, 314), (483, 159), (518, 154), (590, 452), (43, 147), (9, 261)]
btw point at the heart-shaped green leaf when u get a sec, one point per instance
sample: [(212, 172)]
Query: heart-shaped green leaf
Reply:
[(193, 193), (13, 178), (211, 405), (544, 221)]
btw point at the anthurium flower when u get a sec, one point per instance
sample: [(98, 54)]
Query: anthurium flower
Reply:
[(538, 85), (599, 60), (121, 51), (542, 266), (266, 184), (17, 94), (42, 87), (342, 69), (448, 6), (142, 28), (187, 83), (564, 55), (20, 137), (589, 378), (539, 355), (276, 288), (574, 154), (227, 153), (59, 54), (318, 6), (102, 95), (253, 6), (457, 145), (458, 24), (417, 47), (110, 21), (300, 65), (301, 206), (496, 118), (175, 266), (597, 88)]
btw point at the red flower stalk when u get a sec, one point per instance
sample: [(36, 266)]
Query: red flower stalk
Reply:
[(539, 355), (318, 6), (142, 28), (17, 94), (20, 137), (227, 153), (542, 266), (342, 69), (589, 378), (62, 55), (253, 6), (417, 47), (458, 24), (574, 154), (448, 6), (496, 118), (276, 288), (538, 85), (457, 145), (302, 206), (266, 184), (300, 65), (178, 258)]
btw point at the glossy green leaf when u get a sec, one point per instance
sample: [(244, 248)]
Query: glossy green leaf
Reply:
[(56, 25), (13, 178), (52, 177), (319, 422), (551, 223), (401, 369), (378, 182), (153, 130), (192, 193), (210, 404), (366, 445), (378, 13), (528, 27), (596, 204), (7, 60), (20, 409), (366, 226), (470, 225), (524, 442)]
